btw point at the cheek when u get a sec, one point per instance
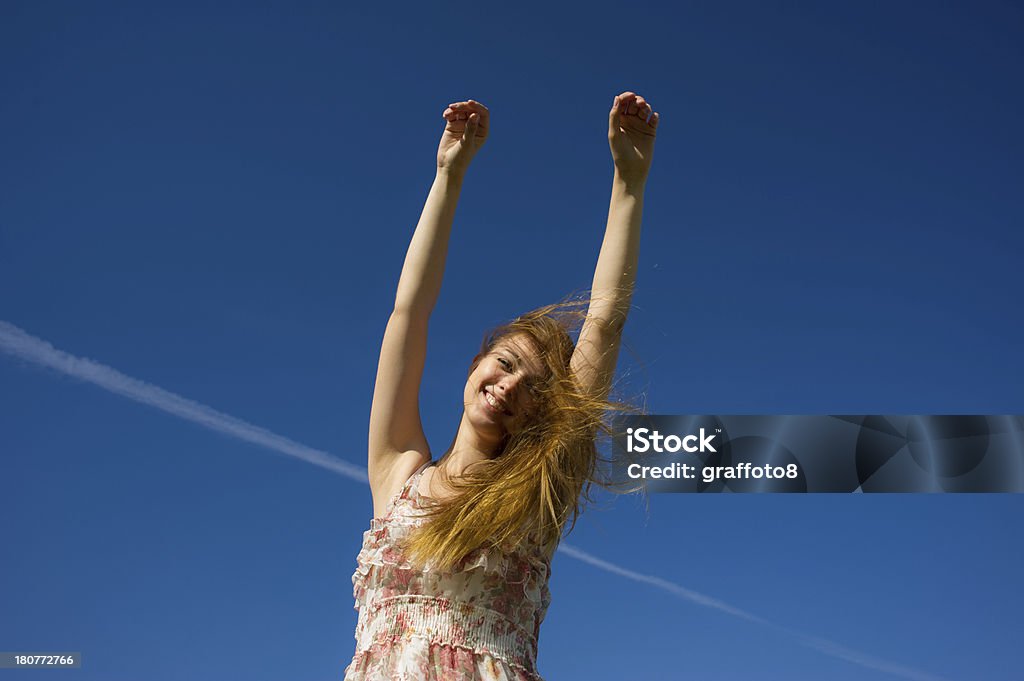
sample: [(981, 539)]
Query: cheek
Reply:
[(527, 410)]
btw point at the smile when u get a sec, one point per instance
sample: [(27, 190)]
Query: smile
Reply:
[(495, 405)]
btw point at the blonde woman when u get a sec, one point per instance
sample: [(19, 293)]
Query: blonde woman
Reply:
[(452, 578)]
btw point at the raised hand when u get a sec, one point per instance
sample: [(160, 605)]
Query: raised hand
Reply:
[(632, 126), (465, 132)]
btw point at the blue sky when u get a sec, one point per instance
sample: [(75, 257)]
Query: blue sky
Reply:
[(216, 200)]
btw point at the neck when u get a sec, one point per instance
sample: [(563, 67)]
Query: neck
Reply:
[(470, 447)]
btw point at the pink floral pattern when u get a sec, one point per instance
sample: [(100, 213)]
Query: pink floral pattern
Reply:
[(480, 620)]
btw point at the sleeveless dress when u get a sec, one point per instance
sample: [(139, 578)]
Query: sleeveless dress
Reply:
[(480, 620)]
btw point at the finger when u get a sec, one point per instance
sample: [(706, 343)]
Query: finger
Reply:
[(615, 115), (471, 126), (463, 110), (646, 111), (482, 129), (473, 106), (455, 117), (481, 126), (470, 105), (628, 102)]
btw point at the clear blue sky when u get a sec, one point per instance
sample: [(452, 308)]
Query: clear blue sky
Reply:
[(215, 198)]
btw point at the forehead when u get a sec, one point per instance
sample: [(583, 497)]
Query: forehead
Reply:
[(524, 351)]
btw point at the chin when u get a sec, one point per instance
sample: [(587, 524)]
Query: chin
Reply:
[(484, 424)]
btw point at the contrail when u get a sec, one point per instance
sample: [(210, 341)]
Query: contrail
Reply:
[(821, 645), (671, 587), (22, 345)]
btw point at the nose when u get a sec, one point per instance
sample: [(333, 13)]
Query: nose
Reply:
[(509, 384)]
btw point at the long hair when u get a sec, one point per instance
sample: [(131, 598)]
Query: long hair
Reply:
[(542, 475)]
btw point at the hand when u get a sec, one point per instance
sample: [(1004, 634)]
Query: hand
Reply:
[(632, 126), (465, 133)]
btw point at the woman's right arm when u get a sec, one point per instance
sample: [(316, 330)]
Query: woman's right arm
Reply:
[(397, 445)]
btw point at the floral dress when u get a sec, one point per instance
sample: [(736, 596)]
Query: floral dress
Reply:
[(479, 620)]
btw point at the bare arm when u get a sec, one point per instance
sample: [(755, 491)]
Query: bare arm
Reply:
[(397, 444), (395, 425), (597, 350), (631, 137)]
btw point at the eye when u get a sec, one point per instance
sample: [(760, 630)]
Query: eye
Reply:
[(505, 363)]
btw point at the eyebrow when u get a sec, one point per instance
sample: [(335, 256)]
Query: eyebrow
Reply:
[(518, 360), (536, 378)]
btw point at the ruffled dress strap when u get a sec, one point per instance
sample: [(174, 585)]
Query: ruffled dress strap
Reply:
[(411, 488), (409, 491)]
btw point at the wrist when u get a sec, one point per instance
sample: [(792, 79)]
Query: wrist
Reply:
[(630, 185), (450, 175)]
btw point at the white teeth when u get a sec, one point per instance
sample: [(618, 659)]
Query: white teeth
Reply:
[(491, 400)]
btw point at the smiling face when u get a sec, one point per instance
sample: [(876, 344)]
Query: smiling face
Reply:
[(502, 389)]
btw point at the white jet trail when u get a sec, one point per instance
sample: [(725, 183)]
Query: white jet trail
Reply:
[(18, 343), (682, 592), (821, 645)]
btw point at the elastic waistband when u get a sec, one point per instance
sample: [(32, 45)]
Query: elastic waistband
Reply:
[(448, 623)]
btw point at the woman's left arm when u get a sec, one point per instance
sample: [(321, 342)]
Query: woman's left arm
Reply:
[(632, 127)]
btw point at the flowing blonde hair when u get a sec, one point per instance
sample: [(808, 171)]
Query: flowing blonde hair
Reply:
[(537, 484)]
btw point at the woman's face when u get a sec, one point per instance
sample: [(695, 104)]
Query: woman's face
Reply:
[(501, 390)]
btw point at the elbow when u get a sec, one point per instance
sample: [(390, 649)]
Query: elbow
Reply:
[(610, 322), (615, 324), (411, 309)]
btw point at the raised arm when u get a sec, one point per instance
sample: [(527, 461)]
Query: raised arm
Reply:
[(396, 441), (632, 126)]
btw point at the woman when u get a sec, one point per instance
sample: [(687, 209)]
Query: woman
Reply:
[(452, 577)]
